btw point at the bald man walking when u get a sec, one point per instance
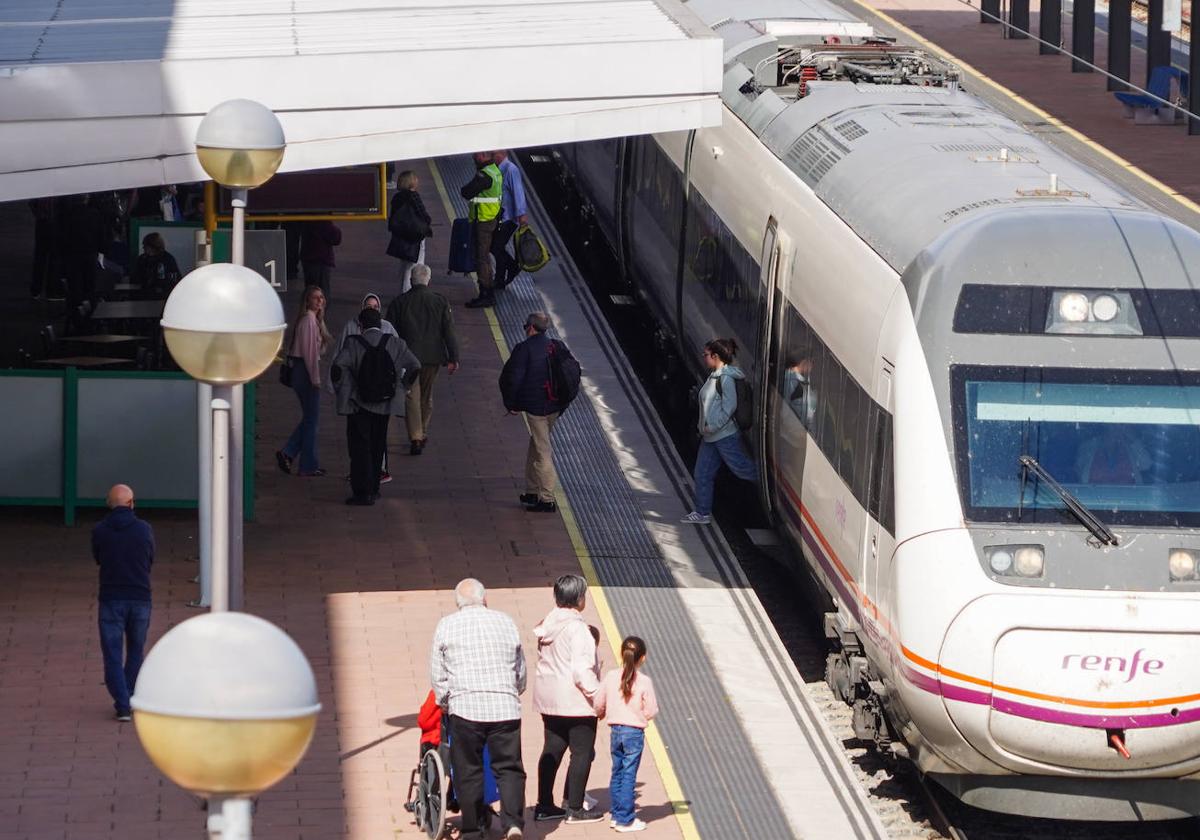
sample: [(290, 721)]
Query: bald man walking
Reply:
[(123, 548)]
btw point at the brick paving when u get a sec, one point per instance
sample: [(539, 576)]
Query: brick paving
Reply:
[(360, 589), (1078, 99)]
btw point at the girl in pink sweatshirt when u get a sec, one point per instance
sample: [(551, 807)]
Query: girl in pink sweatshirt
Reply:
[(626, 698)]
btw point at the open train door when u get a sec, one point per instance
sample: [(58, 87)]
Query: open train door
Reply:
[(769, 341)]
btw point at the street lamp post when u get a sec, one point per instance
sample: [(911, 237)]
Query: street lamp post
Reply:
[(240, 144), (226, 706), (223, 324)]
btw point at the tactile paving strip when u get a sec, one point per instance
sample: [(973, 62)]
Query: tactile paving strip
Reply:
[(728, 793)]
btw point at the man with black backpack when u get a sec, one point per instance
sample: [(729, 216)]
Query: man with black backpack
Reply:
[(540, 378), (370, 376)]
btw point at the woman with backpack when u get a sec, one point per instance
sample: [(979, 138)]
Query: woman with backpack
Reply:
[(310, 339), (410, 225), (720, 441)]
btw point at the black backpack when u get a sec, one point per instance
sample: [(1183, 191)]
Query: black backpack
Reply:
[(565, 374), (376, 374), (743, 413)]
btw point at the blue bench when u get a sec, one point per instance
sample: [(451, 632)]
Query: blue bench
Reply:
[(1147, 111)]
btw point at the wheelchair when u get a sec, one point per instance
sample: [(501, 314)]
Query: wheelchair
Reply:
[(430, 797)]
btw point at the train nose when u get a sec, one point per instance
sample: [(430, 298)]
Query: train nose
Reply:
[(1076, 683)]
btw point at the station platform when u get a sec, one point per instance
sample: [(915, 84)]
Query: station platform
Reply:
[(740, 750), (1158, 164)]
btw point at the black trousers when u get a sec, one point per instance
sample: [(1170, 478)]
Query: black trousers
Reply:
[(366, 437), (507, 267), (503, 740), (577, 733)]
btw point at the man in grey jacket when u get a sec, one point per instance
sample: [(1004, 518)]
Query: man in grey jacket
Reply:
[(368, 403)]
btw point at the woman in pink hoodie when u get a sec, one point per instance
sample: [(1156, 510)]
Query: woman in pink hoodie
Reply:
[(565, 681)]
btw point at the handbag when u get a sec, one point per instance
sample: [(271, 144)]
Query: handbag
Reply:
[(285, 372)]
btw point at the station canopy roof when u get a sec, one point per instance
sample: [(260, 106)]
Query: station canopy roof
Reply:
[(104, 94)]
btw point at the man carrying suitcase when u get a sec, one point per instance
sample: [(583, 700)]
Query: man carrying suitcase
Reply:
[(484, 192)]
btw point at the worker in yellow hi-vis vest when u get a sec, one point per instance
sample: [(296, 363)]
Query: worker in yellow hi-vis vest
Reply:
[(484, 192)]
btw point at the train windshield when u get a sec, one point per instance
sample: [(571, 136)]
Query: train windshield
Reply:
[(1125, 443)]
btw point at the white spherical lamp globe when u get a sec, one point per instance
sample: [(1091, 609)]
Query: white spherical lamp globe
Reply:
[(240, 143), (226, 703), (223, 324)]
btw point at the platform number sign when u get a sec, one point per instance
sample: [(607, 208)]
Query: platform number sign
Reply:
[(266, 253)]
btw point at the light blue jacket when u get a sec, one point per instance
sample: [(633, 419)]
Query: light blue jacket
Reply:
[(716, 410)]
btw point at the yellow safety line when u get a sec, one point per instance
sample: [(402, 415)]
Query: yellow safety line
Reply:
[(658, 748), (1045, 115)]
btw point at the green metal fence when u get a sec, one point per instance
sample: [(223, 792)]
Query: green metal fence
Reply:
[(70, 434)]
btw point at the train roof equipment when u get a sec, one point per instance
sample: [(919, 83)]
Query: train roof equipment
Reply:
[(855, 115)]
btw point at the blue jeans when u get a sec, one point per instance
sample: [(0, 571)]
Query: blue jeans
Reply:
[(626, 743), (303, 441), (732, 453), (123, 628)]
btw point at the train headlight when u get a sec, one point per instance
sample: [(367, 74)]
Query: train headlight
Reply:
[(1181, 564), (1029, 561), (1026, 561), (1073, 307), (1000, 559), (1082, 311), (1105, 308)]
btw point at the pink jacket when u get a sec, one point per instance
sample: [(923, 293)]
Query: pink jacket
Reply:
[(568, 667), (642, 705), (306, 343)]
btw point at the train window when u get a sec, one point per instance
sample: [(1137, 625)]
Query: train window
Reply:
[(727, 275), (856, 413), (799, 353), (881, 499), (830, 387)]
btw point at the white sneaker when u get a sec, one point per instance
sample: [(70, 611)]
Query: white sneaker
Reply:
[(694, 518), (636, 825)]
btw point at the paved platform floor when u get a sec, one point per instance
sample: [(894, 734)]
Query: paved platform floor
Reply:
[(360, 589), (1080, 100)]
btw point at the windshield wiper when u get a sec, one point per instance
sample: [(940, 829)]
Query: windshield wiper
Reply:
[(1089, 520)]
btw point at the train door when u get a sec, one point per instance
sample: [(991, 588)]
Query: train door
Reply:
[(770, 339), (876, 541)]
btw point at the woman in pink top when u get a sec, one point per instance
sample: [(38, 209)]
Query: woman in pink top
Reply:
[(626, 698), (310, 338)]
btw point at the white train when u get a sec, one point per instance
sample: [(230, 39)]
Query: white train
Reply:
[(980, 413)]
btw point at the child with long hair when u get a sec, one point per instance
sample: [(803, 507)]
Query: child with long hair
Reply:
[(626, 699)]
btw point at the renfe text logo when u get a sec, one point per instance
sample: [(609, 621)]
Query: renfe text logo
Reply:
[(1133, 666)]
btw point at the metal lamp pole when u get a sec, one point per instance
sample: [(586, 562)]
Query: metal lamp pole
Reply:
[(236, 582), (239, 144)]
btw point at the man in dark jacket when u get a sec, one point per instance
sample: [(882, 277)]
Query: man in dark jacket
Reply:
[(367, 419), (82, 239), (526, 386), (123, 548), (155, 273), (423, 319), (317, 241)]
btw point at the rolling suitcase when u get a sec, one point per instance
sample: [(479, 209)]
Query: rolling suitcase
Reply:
[(462, 247)]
